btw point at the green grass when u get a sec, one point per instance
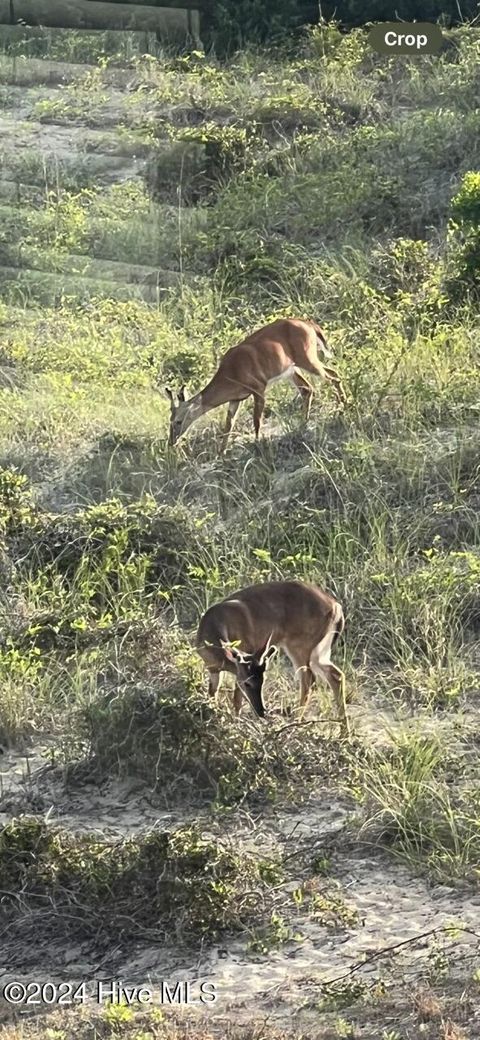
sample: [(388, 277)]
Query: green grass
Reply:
[(426, 811)]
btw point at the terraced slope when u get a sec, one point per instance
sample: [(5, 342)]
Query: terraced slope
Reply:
[(74, 132)]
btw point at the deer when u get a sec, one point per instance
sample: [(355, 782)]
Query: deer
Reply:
[(282, 350), (243, 632)]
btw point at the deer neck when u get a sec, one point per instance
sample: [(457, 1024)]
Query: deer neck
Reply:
[(213, 395), (193, 409), (210, 397)]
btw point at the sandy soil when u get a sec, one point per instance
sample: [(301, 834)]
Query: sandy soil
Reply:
[(392, 906)]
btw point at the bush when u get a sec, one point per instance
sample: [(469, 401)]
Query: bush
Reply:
[(107, 536), (357, 12), (161, 884), (232, 23), (433, 605), (83, 577), (463, 257), (402, 266), (16, 503)]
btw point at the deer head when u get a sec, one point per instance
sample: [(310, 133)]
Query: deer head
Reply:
[(250, 671), (180, 414)]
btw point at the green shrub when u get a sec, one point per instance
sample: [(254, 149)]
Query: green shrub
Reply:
[(84, 577), (231, 24), (109, 536), (463, 256), (21, 695), (161, 885), (446, 589), (465, 206), (16, 501), (358, 12), (403, 266)]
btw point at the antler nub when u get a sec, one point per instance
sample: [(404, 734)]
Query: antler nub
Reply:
[(268, 649)]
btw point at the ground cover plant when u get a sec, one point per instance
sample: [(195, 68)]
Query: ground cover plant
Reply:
[(159, 884)]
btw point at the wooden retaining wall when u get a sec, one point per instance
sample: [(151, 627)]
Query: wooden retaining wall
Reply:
[(173, 18)]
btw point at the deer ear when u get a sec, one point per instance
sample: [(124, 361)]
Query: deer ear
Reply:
[(181, 394), (169, 394), (231, 653)]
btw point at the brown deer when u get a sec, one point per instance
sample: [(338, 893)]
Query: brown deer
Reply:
[(242, 632), (278, 351)]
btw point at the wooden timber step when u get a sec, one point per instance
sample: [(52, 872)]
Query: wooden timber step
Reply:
[(52, 288), (80, 265)]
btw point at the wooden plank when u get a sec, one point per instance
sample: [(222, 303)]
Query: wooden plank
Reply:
[(81, 266), (192, 5), (52, 286), (97, 14)]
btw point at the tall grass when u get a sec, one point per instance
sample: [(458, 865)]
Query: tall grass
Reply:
[(410, 808)]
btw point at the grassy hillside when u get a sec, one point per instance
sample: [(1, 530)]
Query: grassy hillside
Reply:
[(156, 205)]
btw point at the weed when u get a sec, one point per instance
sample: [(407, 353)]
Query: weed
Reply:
[(343, 995), (343, 1028), (275, 933), (326, 907)]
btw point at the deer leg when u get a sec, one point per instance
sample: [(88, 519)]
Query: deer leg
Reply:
[(306, 391), (307, 680), (231, 413), (332, 377), (258, 407), (310, 364), (237, 699), (335, 679), (213, 684)]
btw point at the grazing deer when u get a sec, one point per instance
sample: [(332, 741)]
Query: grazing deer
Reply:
[(278, 351), (298, 618)]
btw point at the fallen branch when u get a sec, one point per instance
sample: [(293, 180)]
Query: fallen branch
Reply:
[(396, 946)]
